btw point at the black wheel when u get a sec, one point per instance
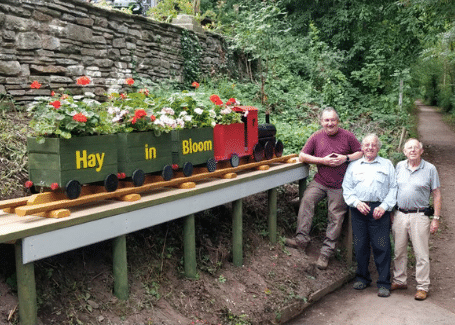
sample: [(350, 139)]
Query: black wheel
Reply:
[(279, 146), (187, 169), (268, 150), (211, 164), (138, 177), (258, 152), (111, 182), (235, 160), (73, 189), (167, 173)]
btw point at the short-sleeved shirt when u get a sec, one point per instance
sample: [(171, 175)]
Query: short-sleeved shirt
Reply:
[(414, 187), (320, 144)]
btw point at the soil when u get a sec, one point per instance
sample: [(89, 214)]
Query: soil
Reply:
[(439, 308)]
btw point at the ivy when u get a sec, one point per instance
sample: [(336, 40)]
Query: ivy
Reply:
[(191, 52)]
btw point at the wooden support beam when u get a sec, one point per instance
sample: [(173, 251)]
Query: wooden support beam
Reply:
[(120, 267), (302, 187), (272, 209), (189, 247), (26, 288), (237, 233), (347, 239)]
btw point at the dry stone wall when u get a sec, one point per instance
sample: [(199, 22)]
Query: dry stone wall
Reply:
[(56, 42)]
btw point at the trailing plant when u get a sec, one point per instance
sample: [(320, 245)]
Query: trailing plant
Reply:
[(191, 52)]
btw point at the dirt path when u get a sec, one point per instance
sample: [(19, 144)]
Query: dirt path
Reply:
[(348, 306)]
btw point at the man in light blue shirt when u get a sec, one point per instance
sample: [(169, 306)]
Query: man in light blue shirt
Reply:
[(370, 189)]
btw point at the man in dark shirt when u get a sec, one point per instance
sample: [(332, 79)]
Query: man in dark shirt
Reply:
[(331, 149)]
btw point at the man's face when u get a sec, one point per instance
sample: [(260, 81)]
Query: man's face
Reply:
[(370, 148), (329, 122), (412, 150)]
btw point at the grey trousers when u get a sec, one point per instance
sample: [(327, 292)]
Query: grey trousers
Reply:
[(337, 209)]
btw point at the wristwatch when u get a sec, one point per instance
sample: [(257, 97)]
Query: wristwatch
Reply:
[(347, 159)]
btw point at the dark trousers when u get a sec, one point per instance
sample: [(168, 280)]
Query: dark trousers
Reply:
[(370, 233)]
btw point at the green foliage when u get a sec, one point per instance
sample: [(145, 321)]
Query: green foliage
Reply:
[(191, 52), (166, 10)]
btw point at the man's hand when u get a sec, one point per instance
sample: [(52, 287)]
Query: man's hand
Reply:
[(378, 212), (363, 208), (334, 160), (434, 226)]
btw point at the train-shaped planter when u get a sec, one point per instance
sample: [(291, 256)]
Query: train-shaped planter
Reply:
[(70, 163)]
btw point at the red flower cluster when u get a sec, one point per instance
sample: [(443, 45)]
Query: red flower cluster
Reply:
[(231, 101), (54, 186), (144, 91), (56, 104), (28, 184), (83, 81), (129, 81), (153, 118), (52, 93), (140, 113), (216, 100), (123, 96), (79, 117), (195, 84), (35, 85)]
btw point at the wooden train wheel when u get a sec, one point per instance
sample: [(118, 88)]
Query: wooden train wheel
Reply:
[(73, 189), (187, 169), (258, 152), (279, 146), (211, 165), (138, 177), (268, 150), (111, 182), (235, 160), (167, 173)]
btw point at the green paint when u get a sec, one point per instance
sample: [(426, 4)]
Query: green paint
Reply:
[(237, 233), (26, 288), (120, 267), (272, 205), (189, 246)]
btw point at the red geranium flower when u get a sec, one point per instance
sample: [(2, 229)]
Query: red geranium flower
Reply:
[(153, 118), (56, 104), (123, 96), (52, 93), (216, 100), (195, 84), (84, 80), (129, 81), (134, 120), (28, 184), (54, 186), (79, 117), (140, 113), (35, 84)]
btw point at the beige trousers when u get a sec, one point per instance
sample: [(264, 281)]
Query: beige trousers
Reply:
[(416, 227)]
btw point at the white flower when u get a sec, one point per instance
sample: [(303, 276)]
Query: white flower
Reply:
[(113, 110), (89, 94), (225, 111), (213, 123), (246, 113), (180, 122), (167, 110), (198, 111), (183, 113), (187, 118), (212, 113)]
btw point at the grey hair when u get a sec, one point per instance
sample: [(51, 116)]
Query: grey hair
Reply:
[(413, 139), (329, 109), (372, 135)]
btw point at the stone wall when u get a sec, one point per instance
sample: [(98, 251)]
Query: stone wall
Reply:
[(56, 42)]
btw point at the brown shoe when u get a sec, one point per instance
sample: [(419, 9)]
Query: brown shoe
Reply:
[(294, 244), (398, 286), (323, 262), (421, 295)]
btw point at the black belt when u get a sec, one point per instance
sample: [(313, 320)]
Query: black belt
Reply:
[(412, 210)]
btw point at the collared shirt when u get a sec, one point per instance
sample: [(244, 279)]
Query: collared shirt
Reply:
[(370, 181), (414, 187)]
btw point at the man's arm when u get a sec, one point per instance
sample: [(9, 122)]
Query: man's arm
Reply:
[(437, 201), (329, 160)]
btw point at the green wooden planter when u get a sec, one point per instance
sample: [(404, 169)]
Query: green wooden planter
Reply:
[(83, 159), (193, 147), (144, 151)]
